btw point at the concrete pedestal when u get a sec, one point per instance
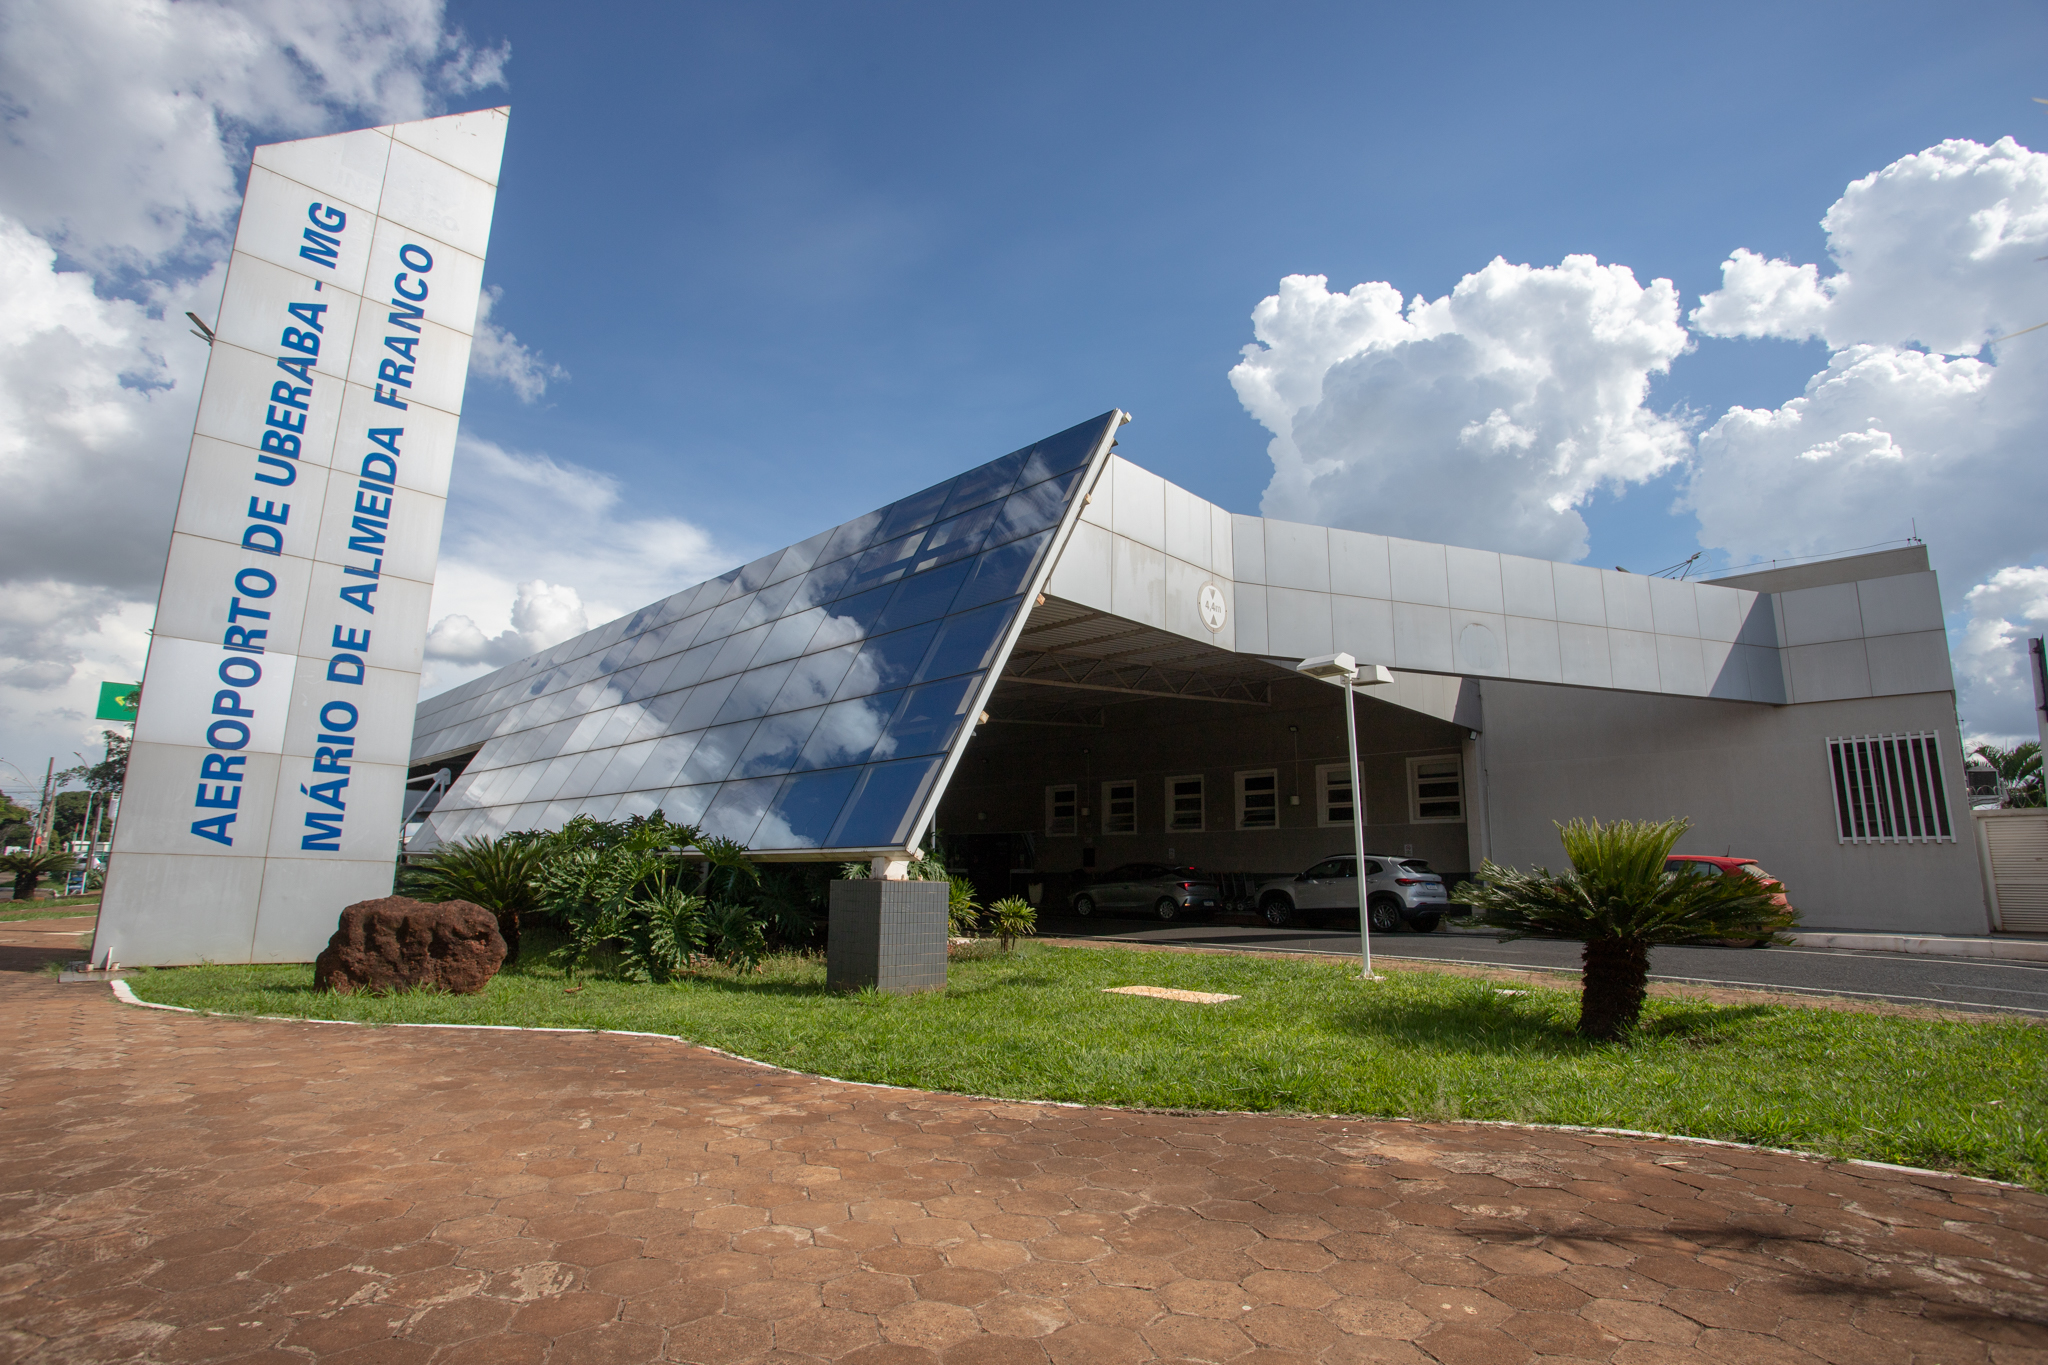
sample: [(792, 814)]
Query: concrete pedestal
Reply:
[(887, 934)]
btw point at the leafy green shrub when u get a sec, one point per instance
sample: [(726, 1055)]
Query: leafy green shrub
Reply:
[(1013, 918), (1620, 899), (734, 936)]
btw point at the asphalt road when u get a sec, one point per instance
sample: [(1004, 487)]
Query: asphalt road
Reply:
[(1951, 983)]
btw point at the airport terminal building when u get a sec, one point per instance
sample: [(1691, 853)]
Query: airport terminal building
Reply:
[(1064, 662)]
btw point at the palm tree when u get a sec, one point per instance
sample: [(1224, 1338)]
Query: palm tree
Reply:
[(498, 874), (2019, 768), (1620, 899), (30, 866)]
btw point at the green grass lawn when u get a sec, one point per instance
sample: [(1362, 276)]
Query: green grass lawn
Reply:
[(1307, 1036), (80, 906)]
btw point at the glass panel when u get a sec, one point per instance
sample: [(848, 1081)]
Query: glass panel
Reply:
[(923, 597), (799, 557), (985, 484), (852, 618), (958, 538), (850, 537), (690, 667), (584, 776), (642, 804), (738, 652), (778, 744), (769, 602), (586, 732), (737, 809), (1029, 511), (967, 641), (1003, 572), (1058, 454), (915, 512), (824, 583), (617, 728), (848, 731), (804, 811), (684, 804), (644, 647), (726, 619), (755, 573), (879, 812), (618, 775), (888, 660), (665, 761), (716, 751), (929, 718), (705, 700), (655, 715), (885, 563), (755, 690), (791, 636), (815, 679)]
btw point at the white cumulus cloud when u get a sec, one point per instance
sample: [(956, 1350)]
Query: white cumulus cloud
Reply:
[(1487, 416), (1922, 417), (497, 354)]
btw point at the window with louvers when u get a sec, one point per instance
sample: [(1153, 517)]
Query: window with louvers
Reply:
[(1888, 789)]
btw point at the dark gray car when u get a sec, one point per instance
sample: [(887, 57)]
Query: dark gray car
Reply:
[(1156, 890)]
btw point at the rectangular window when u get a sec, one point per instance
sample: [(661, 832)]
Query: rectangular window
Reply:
[(1888, 789), (1059, 810), (1120, 807), (1333, 795), (1184, 805), (1258, 799), (1436, 789)]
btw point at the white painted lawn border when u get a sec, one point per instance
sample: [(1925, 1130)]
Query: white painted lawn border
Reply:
[(127, 996)]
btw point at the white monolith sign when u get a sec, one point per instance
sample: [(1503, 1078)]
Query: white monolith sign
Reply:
[(265, 787)]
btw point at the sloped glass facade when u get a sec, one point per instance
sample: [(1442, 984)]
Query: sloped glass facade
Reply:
[(808, 700)]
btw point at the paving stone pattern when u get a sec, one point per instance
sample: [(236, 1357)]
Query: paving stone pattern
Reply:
[(177, 1188)]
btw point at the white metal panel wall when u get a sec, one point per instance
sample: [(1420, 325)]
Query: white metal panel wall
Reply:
[(265, 787)]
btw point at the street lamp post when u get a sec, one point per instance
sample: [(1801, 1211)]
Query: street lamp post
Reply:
[(1342, 668)]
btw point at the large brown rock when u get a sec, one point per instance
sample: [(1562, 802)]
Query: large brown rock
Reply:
[(398, 942)]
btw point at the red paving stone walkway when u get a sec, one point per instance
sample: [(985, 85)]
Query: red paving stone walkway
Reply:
[(176, 1188)]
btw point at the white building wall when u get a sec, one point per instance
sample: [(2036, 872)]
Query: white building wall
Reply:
[(1754, 781)]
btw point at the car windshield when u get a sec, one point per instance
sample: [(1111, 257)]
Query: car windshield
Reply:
[(1756, 870), (1415, 865)]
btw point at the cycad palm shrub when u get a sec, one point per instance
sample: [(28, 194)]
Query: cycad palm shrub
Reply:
[(1012, 918), (1620, 899), (501, 875), (30, 866)]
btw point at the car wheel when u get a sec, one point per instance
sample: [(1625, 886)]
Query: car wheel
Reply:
[(1384, 916), (1278, 911), (1426, 924), (1084, 906), (1167, 908)]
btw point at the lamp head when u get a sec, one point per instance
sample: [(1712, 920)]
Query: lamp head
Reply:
[(1333, 667), (1339, 668)]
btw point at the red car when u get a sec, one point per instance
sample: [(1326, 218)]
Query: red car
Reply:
[(1730, 867)]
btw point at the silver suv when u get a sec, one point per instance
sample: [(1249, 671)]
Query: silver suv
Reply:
[(1399, 893)]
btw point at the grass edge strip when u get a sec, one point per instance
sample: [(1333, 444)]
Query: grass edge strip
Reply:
[(126, 995)]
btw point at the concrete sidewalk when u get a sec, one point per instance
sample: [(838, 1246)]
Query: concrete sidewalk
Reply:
[(2002, 947), (184, 1188)]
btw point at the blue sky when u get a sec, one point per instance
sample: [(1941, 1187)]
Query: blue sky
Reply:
[(866, 245), (766, 266)]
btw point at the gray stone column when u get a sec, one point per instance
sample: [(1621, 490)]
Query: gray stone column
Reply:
[(890, 935)]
